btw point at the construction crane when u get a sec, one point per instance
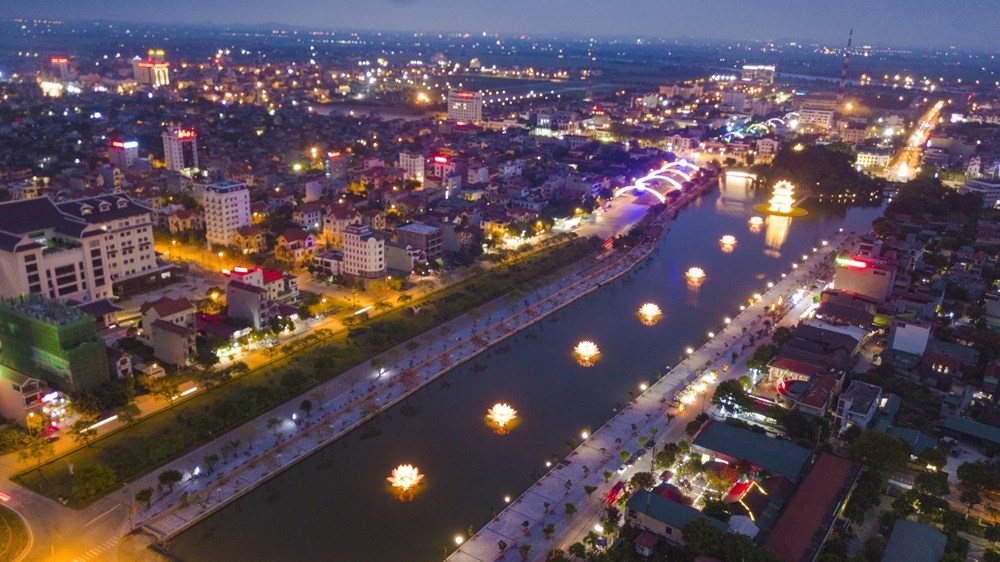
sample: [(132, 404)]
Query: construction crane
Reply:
[(843, 71)]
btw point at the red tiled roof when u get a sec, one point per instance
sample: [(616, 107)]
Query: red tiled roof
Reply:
[(819, 391), (794, 366), (167, 306), (793, 534), (272, 275)]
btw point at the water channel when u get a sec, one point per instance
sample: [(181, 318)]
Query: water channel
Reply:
[(336, 505)]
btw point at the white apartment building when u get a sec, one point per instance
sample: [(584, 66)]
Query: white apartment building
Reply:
[(412, 165), (816, 118), (873, 158), (45, 251), (989, 191), (227, 209), (364, 253), (180, 149), (465, 106), (127, 229)]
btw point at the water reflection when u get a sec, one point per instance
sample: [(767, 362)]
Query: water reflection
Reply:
[(776, 234)]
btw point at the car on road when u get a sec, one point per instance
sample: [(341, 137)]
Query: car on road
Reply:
[(622, 468), (637, 454), (649, 444)]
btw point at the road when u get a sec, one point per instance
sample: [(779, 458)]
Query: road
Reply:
[(544, 503), (908, 160)]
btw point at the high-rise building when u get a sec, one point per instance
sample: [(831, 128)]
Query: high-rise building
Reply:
[(123, 153), (364, 252), (759, 73), (180, 149), (465, 106), (56, 342), (61, 65), (153, 71), (227, 208)]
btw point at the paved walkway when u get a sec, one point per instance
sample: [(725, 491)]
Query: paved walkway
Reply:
[(565, 482)]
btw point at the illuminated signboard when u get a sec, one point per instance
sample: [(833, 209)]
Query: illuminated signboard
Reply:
[(124, 144), (185, 134), (59, 60), (466, 95), (440, 159), (333, 154), (850, 262)]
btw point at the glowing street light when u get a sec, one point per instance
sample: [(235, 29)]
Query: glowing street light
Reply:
[(459, 540), (689, 350)]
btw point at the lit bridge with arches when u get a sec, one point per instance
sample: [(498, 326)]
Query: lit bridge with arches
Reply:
[(671, 174)]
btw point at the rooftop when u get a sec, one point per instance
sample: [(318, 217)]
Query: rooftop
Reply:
[(47, 310), (775, 455), (670, 512), (862, 395), (911, 541)]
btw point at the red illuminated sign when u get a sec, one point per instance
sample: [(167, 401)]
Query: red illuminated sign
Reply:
[(186, 134), (440, 159), (240, 269), (117, 144), (333, 154), (59, 60), (465, 95), (850, 262)]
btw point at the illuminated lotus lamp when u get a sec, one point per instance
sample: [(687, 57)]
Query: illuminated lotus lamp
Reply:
[(501, 417), (404, 480), (728, 242), (695, 275), (586, 353), (756, 223), (650, 314)]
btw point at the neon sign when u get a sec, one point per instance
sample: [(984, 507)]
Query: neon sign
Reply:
[(850, 262), (440, 159), (186, 134)]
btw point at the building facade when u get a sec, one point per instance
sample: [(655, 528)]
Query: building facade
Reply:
[(227, 209), (180, 149), (465, 106), (364, 253)]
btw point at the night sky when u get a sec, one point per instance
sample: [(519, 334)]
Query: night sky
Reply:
[(963, 23)]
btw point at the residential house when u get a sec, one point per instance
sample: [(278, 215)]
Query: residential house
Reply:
[(663, 517), (249, 240), (167, 325), (295, 246), (858, 405)]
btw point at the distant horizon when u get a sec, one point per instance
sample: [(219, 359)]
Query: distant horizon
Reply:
[(883, 23)]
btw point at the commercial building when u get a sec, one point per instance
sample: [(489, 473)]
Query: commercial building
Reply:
[(56, 342), (759, 73), (464, 106), (123, 153), (364, 253), (180, 149), (127, 233), (227, 209), (864, 276), (412, 165), (664, 517), (816, 118), (988, 190), (153, 71), (731, 444), (48, 252), (422, 237)]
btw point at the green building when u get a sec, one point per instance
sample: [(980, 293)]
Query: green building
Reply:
[(53, 342)]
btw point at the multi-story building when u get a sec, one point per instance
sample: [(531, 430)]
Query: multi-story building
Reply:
[(278, 286), (874, 158), (364, 253), (167, 325), (336, 220), (227, 209), (870, 277), (127, 232), (465, 106), (53, 341), (857, 405), (295, 246), (309, 216), (47, 252), (412, 165), (154, 71), (180, 149), (816, 118), (250, 240), (123, 153), (422, 237), (759, 73), (988, 190)]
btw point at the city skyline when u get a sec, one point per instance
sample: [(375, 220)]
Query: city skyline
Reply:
[(886, 22)]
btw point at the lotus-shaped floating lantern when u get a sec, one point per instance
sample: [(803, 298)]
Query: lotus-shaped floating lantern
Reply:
[(501, 417), (586, 353), (650, 314)]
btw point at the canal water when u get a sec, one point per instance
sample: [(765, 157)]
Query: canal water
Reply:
[(337, 504)]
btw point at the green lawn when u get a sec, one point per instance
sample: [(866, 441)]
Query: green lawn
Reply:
[(13, 535), (156, 439)]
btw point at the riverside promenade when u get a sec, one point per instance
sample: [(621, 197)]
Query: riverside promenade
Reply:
[(343, 404), (595, 461)]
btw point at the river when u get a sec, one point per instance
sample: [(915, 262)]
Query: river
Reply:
[(336, 505)]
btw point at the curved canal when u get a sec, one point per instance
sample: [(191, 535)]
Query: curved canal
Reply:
[(337, 505)]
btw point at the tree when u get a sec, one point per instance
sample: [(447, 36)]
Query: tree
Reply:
[(36, 448), (165, 389), (82, 430), (548, 531), (169, 478), (932, 483), (145, 496), (730, 394), (577, 550), (589, 490), (781, 335), (932, 456), (502, 545), (92, 480), (973, 478), (882, 452), (642, 480), (128, 413), (210, 461), (274, 425), (523, 550), (668, 456), (701, 537), (717, 510), (570, 510), (306, 406)]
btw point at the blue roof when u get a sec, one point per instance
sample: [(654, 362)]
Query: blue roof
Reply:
[(918, 440), (774, 455), (670, 512), (973, 428), (914, 542)]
